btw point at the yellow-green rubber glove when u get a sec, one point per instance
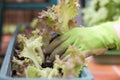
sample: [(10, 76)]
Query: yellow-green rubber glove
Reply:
[(85, 39)]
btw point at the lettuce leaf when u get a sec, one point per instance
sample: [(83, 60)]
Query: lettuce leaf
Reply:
[(33, 72), (75, 60), (32, 48), (59, 18)]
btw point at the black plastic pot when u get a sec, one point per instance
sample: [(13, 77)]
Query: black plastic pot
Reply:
[(5, 73)]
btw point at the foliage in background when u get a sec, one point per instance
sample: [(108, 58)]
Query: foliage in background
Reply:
[(9, 28), (99, 11)]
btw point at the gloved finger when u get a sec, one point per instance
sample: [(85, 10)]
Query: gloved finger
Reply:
[(88, 53), (54, 44), (98, 51), (61, 49)]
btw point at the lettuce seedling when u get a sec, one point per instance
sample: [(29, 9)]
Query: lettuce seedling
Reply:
[(60, 18), (32, 48), (75, 60), (65, 12)]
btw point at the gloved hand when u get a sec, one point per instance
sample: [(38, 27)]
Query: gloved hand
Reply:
[(91, 39)]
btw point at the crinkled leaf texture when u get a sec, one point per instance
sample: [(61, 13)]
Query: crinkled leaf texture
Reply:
[(33, 72), (60, 18), (32, 48), (75, 60)]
